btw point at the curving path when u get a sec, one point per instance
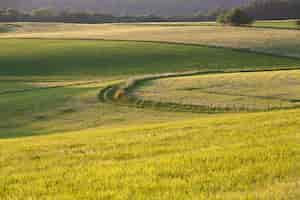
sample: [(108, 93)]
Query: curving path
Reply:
[(122, 93)]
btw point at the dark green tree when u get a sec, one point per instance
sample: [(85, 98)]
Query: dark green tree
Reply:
[(235, 17), (12, 12), (2, 12)]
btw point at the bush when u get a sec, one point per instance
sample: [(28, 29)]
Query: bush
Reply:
[(235, 17), (298, 22)]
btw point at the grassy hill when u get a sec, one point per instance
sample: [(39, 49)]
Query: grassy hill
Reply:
[(231, 156), (273, 39), (58, 140), (87, 58), (47, 82), (282, 24), (233, 91)]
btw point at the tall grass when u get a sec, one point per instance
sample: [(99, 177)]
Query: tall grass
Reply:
[(248, 91), (223, 157), (98, 150)]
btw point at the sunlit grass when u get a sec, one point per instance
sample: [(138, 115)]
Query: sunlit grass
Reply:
[(278, 41), (237, 156), (72, 107), (82, 68), (284, 24), (235, 91), (77, 147), (102, 58)]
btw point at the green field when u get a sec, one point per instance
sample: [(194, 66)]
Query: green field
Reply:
[(102, 58), (40, 65), (283, 24), (59, 140), (280, 24)]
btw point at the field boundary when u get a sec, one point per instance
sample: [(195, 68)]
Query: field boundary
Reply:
[(122, 93)]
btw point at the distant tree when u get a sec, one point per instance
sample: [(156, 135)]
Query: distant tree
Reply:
[(12, 12), (74, 13), (221, 19), (235, 17), (43, 12), (2, 12), (298, 22)]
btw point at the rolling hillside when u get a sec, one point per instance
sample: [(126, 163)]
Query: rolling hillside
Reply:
[(69, 128)]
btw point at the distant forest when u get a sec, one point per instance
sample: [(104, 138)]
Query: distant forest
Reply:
[(258, 9), (73, 16), (274, 9)]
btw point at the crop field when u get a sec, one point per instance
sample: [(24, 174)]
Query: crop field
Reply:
[(67, 131), (249, 91), (284, 24), (67, 86), (271, 40), (101, 58), (223, 157)]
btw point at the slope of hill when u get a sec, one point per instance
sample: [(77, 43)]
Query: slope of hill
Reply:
[(49, 72), (276, 41), (220, 157), (82, 143)]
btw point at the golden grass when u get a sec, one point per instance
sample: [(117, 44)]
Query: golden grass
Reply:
[(231, 156), (250, 91), (142, 153), (279, 41)]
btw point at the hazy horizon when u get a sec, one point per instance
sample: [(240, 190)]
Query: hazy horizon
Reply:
[(128, 7)]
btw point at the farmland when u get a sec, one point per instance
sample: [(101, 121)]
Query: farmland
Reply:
[(284, 24), (248, 91), (221, 157), (59, 140), (66, 86), (88, 58), (275, 41)]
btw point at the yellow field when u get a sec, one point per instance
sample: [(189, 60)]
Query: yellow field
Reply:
[(278, 41), (59, 139), (240, 156), (248, 91)]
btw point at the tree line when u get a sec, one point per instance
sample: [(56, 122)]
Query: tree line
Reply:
[(261, 10), (71, 16), (257, 10), (273, 9)]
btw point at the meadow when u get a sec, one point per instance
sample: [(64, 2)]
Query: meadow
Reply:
[(281, 24), (232, 156), (83, 58), (271, 40), (66, 75), (59, 141), (235, 91)]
